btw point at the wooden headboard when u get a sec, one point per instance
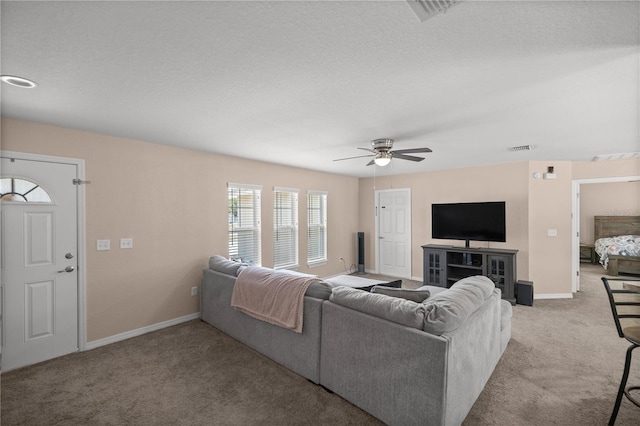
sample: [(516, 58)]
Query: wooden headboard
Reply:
[(609, 226)]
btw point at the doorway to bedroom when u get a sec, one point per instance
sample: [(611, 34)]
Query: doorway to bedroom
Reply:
[(599, 197)]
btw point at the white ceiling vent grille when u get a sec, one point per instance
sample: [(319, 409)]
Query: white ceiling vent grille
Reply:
[(521, 148), (623, 156), (425, 9)]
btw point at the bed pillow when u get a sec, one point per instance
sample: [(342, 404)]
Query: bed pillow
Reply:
[(417, 296), (394, 309), (224, 265)]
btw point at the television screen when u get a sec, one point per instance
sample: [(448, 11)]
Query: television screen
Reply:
[(484, 221)]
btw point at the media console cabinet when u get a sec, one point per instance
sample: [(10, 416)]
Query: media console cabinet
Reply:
[(444, 265)]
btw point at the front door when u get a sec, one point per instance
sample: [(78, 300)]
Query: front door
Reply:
[(38, 212), (394, 232)]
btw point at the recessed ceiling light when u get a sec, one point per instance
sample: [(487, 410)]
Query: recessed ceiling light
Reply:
[(18, 81)]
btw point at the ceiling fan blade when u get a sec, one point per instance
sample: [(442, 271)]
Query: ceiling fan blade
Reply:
[(371, 163), (411, 150), (351, 158), (406, 157)]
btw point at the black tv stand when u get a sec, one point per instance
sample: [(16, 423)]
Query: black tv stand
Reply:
[(444, 265)]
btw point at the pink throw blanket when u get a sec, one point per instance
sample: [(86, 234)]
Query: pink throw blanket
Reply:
[(272, 296)]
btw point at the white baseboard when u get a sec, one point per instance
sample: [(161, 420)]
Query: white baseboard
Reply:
[(554, 296), (140, 331)]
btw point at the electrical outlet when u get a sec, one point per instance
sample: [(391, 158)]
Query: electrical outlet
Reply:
[(126, 243), (194, 291)]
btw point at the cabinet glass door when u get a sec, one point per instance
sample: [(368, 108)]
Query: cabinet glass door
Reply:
[(497, 271), (434, 268)]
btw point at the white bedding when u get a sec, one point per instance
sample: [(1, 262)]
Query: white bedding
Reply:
[(624, 245)]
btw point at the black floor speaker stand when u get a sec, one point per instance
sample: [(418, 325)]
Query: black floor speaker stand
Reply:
[(360, 245)]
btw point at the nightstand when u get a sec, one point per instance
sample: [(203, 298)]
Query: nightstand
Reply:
[(588, 253)]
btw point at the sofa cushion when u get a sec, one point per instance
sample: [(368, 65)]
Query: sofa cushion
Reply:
[(224, 265), (506, 312), (433, 290), (319, 290), (361, 283), (446, 311), (394, 309), (403, 293)]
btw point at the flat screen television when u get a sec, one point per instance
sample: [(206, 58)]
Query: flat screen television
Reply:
[(485, 221)]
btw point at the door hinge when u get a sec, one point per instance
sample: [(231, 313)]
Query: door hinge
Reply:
[(80, 182)]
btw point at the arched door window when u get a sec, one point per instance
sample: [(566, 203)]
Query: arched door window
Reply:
[(22, 190)]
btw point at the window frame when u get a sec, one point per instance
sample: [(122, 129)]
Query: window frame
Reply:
[(254, 229), (293, 227), (321, 259)]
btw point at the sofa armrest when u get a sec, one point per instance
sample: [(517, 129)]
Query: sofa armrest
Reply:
[(396, 373), (474, 351)]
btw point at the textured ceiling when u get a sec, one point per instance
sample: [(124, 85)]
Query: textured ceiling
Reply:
[(305, 82)]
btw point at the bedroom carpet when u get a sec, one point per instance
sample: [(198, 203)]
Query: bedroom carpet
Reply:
[(562, 367)]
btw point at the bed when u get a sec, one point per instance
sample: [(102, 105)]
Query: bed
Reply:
[(617, 243)]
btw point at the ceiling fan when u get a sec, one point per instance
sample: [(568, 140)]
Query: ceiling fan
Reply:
[(382, 153)]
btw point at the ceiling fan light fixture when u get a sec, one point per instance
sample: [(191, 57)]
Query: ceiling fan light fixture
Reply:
[(18, 81), (382, 159)]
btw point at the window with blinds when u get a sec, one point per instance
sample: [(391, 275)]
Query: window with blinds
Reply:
[(285, 228), (244, 223), (316, 228)]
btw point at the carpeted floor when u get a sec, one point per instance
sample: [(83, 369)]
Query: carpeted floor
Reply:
[(562, 367)]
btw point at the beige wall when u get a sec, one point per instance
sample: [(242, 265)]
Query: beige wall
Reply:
[(550, 209), (605, 169), (534, 206), (606, 199), (504, 182), (172, 202)]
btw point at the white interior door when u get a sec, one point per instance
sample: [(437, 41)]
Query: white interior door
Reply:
[(39, 262), (394, 232)]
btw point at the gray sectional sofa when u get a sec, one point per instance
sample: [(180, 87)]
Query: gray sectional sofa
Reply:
[(404, 362)]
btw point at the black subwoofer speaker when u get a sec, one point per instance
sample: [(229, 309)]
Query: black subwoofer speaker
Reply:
[(360, 244), (524, 293)]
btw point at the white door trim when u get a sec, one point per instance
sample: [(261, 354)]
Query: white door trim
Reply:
[(575, 222), (82, 251), (377, 228)]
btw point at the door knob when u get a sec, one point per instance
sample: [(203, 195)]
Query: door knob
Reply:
[(67, 269)]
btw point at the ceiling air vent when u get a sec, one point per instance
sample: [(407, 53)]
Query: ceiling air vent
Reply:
[(425, 9), (623, 156), (521, 148)]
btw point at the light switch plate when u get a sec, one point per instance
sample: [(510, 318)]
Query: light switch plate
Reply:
[(126, 243), (103, 245)]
